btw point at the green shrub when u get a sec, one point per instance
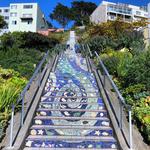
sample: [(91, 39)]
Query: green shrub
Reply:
[(27, 40), (21, 60), (11, 84), (116, 62), (134, 92), (100, 43), (134, 89), (60, 36), (138, 71), (142, 114)]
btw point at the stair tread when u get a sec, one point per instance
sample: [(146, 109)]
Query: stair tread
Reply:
[(60, 91), (70, 97), (71, 118), (71, 126), (64, 137), (60, 81), (90, 103), (73, 110)]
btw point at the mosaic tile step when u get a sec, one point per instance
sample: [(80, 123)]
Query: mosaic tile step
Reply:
[(67, 74), (61, 92), (66, 149), (71, 79), (60, 86), (72, 138), (64, 105), (70, 126), (44, 111), (104, 123), (48, 103), (70, 99), (103, 143), (70, 131), (70, 118), (60, 81), (70, 112)]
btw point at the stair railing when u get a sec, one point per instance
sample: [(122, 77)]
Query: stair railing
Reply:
[(38, 76), (125, 127), (117, 109)]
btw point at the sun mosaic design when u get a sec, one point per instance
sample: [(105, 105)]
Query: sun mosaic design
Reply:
[(71, 113)]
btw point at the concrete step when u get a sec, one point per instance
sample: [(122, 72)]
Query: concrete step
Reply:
[(70, 118), (70, 127), (73, 110), (72, 138)]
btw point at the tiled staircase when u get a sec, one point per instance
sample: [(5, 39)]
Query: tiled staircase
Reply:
[(71, 114)]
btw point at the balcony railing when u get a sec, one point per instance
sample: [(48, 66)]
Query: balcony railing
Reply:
[(119, 10), (26, 16)]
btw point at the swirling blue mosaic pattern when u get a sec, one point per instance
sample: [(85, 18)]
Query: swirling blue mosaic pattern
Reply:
[(71, 113)]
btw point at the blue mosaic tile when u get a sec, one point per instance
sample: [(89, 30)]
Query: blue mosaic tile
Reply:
[(71, 88)]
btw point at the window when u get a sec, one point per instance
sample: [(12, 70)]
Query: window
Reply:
[(42, 27), (27, 21), (13, 6), (138, 12), (6, 17), (30, 22), (146, 15), (6, 10), (27, 15), (14, 22), (13, 14), (28, 6)]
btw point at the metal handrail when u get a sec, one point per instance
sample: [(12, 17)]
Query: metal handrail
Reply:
[(21, 99), (122, 102), (110, 79), (121, 99)]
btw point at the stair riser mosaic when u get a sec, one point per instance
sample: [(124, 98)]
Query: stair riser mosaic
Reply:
[(71, 100)]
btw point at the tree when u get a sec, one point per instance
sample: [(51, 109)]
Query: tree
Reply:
[(61, 14), (81, 11), (2, 22)]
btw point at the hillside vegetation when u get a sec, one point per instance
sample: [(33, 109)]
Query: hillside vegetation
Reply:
[(122, 49), (20, 53)]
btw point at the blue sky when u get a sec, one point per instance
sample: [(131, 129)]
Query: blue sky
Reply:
[(47, 6)]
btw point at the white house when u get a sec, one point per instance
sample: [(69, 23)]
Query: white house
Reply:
[(25, 17), (111, 11)]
